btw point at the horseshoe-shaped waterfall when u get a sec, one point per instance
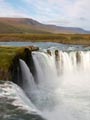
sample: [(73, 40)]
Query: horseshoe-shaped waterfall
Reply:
[(62, 90)]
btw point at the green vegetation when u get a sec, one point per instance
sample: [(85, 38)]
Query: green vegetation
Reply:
[(83, 39), (7, 55)]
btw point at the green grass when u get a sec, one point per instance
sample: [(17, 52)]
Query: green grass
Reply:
[(6, 56), (83, 39)]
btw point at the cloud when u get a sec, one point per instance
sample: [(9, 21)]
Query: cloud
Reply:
[(62, 12), (45, 9), (7, 10), (79, 13), (61, 22), (59, 12)]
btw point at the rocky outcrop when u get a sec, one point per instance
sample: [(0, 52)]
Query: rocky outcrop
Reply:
[(10, 67), (49, 52), (78, 57)]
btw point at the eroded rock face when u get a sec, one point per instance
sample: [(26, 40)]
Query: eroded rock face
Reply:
[(9, 61), (57, 58), (49, 52), (16, 74), (4, 74), (78, 57), (29, 61), (57, 55), (16, 71)]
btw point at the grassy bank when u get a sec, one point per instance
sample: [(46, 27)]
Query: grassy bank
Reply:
[(60, 38), (7, 55)]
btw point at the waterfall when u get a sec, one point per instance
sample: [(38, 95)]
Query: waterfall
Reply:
[(72, 79), (63, 80), (14, 104), (66, 62), (27, 79)]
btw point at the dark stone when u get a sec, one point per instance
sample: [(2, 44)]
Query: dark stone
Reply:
[(57, 58), (57, 55), (78, 57), (29, 61), (15, 69), (4, 74), (49, 52)]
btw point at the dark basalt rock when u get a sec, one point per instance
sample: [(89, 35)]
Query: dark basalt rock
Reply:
[(49, 52), (29, 61), (4, 74), (78, 56), (57, 58), (57, 55), (15, 69)]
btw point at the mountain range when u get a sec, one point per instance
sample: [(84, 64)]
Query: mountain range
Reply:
[(27, 25)]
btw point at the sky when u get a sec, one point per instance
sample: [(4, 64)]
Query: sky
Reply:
[(68, 13)]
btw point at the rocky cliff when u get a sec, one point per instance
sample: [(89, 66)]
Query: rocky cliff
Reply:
[(9, 61)]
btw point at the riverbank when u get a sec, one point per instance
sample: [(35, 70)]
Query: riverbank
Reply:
[(78, 39)]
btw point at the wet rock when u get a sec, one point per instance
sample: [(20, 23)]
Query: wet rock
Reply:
[(49, 52), (78, 57), (57, 58), (26, 55), (57, 55)]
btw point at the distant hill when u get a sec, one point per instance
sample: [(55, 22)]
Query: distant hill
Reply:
[(26, 25)]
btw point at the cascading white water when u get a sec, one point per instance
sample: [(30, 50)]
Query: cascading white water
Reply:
[(28, 80), (10, 91), (63, 88), (65, 95)]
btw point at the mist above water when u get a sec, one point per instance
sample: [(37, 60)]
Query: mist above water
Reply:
[(63, 87)]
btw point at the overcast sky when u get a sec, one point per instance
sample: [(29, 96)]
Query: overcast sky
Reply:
[(73, 13)]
